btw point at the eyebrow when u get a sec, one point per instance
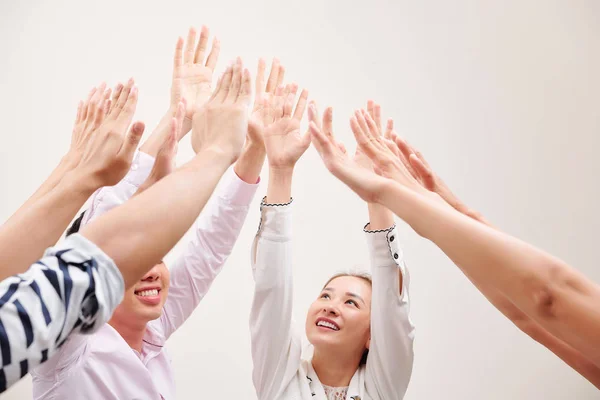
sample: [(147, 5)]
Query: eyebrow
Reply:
[(350, 294)]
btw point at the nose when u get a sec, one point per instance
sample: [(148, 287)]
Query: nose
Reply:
[(152, 275), (331, 310)]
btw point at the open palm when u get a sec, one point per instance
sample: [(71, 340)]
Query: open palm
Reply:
[(283, 141), (192, 76)]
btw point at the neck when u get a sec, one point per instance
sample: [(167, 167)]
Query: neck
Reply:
[(334, 369), (132, 331)]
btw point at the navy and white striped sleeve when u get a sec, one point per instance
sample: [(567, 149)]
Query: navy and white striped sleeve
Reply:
[(73, 289)]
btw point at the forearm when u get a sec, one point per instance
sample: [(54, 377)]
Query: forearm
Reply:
[(568, 354), (25, 237), (249, 165), (67, 163), (157, 138), (157, 218), (543, 287), (379, 217), (279, 190)]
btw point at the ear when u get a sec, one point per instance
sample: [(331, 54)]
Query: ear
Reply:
[(368, 345)]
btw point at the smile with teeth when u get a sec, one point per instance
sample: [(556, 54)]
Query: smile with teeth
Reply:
[(329, 325), (147, 293)]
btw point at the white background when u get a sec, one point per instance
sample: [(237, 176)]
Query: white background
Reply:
[(502, 97)]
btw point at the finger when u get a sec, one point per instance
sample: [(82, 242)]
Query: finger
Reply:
[(213, 56), (93, 104), (422, 171), (115, 95), (280, 75), (79, 110), (260, 77), (320, 140), (221, 95), (389, 128), (288, 106), (328, 121), (178, 57), (313, 114), (404, 148), (107, 107), (236, 81), (202, 44), (342, 148), (126, 115), (120, 103), (301, 105), (246, 89), (132, 140), (363, 141), (217, 88), (188, 56), (372, 125), (358, 114), (272, 81), (377, 116), (370, 105)]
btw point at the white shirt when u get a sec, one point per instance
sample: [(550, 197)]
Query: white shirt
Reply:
[(74, 288), (279, 371), (103, 366)]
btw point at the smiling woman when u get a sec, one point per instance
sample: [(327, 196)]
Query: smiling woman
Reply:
[(359, 327)]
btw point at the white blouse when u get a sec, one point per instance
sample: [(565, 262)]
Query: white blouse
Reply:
[(279, 370)]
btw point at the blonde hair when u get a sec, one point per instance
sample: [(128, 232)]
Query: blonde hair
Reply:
[(365, 276)]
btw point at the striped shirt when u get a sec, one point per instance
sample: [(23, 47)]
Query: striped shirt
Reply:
[(74, 288)]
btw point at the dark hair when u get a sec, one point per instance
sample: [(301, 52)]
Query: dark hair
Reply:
[(365, 277), (76, 225)]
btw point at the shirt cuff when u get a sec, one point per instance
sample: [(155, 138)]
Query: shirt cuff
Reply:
[(235, 190), (384, 246), (140, 169), (275, 221)]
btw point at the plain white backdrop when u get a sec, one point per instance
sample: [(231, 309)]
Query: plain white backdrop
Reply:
[(503, 98)]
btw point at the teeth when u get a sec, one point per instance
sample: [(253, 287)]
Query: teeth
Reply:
[(153, 292), (328, 325)]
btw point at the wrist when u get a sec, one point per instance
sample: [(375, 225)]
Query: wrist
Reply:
[(80, 182), (279, 190), (249, 166)]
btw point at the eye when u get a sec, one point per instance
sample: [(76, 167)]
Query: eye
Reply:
[(324, 296), (354, 303)]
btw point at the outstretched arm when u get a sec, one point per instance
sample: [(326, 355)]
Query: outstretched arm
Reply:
[(105, 158)]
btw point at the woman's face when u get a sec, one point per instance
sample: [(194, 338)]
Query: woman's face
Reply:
[(340, 318)]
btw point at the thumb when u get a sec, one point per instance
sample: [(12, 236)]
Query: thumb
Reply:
[(132, 140)]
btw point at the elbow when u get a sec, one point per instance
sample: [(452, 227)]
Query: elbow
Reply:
[(549, 290)]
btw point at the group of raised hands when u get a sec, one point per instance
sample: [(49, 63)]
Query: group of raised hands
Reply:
[(545, 297)]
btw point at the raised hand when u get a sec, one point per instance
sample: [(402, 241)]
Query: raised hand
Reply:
[(90, 115), (193, 73), (109, 149), (220, 125), (262, 98), (360, 179), (422, 171), (283, 141)]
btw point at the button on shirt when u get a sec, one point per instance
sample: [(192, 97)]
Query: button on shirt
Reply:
[(103, 366)]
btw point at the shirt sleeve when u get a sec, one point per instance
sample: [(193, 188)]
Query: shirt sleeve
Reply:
[(214, 237), (109, 197), (74, 288), (390, 360), (276, 348)]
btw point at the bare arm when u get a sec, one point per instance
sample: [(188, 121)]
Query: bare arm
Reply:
[(105, 159), (137, 235), (419, 168), (557, 297)]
